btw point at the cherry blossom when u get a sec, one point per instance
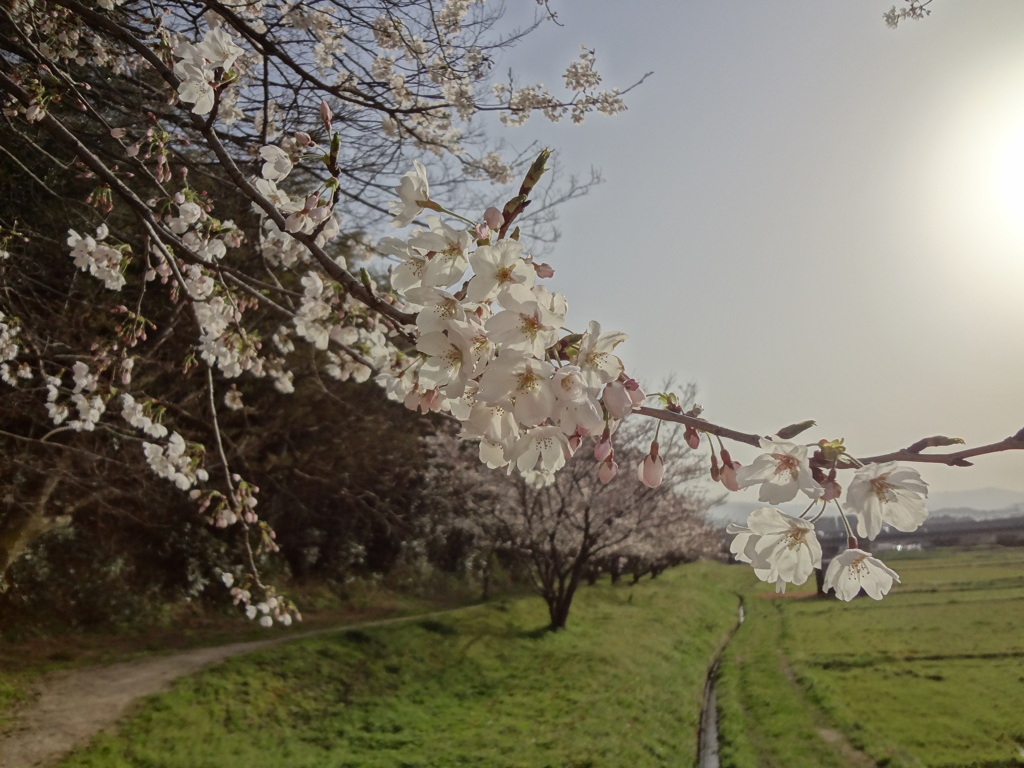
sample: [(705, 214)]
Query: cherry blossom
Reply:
[(531, 325), (782, 549), (499, 271), (450, 364), (219, 49), (887, 494), (520, 384), (541, 449), (277, 164), (595, 358), (853, 570), (782, 472), (413, 192)]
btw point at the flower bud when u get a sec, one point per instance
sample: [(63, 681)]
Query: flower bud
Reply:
[(651, 470), (607, 470), (493, 218), (543, 270)]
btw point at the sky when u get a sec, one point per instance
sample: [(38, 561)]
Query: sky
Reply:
[(806, 213)]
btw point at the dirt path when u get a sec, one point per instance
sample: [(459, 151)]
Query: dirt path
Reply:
[(71, 707)]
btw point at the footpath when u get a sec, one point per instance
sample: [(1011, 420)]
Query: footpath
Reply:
[(69, 708)]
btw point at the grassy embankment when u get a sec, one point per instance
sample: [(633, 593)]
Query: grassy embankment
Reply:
[(26, 655), (931, 676), (485, 686)]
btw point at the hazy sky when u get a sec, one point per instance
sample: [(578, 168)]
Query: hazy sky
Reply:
[(806, 213)]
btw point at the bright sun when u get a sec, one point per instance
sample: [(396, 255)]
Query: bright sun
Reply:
[(975, 190), (1008, 181)]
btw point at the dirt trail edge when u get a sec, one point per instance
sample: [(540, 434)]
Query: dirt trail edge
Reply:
[(73, 706)]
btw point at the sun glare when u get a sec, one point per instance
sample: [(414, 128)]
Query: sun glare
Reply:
[(1009, 178), (975, 187)]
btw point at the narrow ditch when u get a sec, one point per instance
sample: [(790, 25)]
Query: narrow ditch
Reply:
[(707, 735)]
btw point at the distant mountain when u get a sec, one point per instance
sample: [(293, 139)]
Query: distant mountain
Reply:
[(980, 504), (980, 500), (739, 511), (979, 514)]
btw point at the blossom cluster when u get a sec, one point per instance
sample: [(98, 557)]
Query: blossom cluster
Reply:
[(98, 259), (197, 67), (784, 549), (175, 461), (9, 347), (490, 345)]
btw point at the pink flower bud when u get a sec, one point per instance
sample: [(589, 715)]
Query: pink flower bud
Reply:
[(716, 473), (603, 447), (728, 476), (607, 470), (493, 218), (303, 138), (636, 395), (543, 270), (651, 470), (617, 400), (118, 133), (326, 114)]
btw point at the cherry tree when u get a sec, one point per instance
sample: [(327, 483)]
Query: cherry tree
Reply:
[(223, 168), (571, 530), (216, 169)]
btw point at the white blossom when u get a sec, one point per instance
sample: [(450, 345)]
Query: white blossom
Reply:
[(853, 570), (782, 472), (887, 494)]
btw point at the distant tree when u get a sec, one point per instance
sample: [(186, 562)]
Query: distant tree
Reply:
[(580, 525)]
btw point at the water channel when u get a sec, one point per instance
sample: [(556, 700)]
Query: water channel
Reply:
[(707, 740)]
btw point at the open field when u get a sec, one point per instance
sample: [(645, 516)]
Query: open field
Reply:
[(931, 676), (486, 686)]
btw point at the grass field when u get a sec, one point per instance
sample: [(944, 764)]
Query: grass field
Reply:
[(24, 661), (486, 686), (931, 676)]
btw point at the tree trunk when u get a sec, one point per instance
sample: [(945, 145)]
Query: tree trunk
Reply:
[(558, 611), (559, 597), (18, 533)]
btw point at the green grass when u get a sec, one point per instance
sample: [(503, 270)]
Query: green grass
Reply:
[(13, 692), (931, 676), (765, 718), (23, 662), (486, 686)]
